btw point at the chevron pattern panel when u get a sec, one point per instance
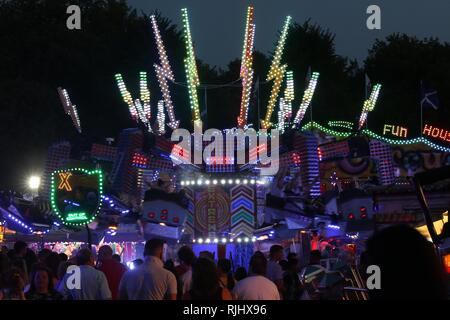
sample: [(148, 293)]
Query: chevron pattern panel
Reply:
[(189, 224), (242, 210)]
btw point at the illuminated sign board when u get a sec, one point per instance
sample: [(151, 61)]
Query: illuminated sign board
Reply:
[(435, 132), (395, 130), (76, 195)]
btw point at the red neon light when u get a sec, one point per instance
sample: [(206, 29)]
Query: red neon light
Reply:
[(435, 132)]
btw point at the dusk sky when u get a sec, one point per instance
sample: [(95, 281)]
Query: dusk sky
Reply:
[(218, 26)]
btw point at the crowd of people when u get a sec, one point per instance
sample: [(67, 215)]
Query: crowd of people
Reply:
[(47, 275)]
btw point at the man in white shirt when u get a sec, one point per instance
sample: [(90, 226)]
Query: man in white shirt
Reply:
[(274, 269), (256, 286), (150, 281), (93, 283)]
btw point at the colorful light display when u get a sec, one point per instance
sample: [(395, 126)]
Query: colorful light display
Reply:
[(76, 195), (69, 108), (246, 72), (138, 111), (191, 69), (307, 98), (276, 73), (369, 105), (164, 73), (395, 130)]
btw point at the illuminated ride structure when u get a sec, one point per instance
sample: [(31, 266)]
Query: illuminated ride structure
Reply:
[(147, 186)]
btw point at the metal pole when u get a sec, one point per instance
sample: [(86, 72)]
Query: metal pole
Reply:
[(421, 119), (257, 121), (89, 236)]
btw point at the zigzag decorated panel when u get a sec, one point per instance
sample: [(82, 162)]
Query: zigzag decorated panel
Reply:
[(242, 210), (189, 225)]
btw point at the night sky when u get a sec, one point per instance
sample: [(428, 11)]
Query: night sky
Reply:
[(218, 26)]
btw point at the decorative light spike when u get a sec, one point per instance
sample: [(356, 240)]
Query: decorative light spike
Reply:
[(161, 118), (191, 69), (288, 95), (126, 96), (307, 97), (281, 115), (246, 72), (164, 72), (145, 94), (276, 73), (369, 105), (138, 111), (69, 108)]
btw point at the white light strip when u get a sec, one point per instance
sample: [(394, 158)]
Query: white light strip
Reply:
[(244, 181)]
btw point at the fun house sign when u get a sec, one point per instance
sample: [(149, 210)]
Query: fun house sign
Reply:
[(76, 195)]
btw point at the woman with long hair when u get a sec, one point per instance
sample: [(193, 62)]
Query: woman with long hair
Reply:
[(205, 282), (225, 275)]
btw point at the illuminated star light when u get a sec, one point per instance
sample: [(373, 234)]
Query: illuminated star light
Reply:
[(276, 73), (69, 108), (191, 69), (369, 105), (247, 72), (137, 110), (307, 97), (164, 72)]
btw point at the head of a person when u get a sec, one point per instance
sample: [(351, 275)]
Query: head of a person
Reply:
[(41, 279), (283, 264), (291, 255), (63, 257), (52, 262), (85, 257), (205, 277), (224, 266), (138, 262), (292, 265), (314, 257), (20, 248), (276, 252), (154, 248), (240, 273), (409, 265), (186, 256), (105, 253), (43, 254), (258, 265), (259, 253), (116, 258)]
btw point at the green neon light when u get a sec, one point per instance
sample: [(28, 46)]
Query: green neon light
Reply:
[(191, 67), (76, 216), (74, 219)]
